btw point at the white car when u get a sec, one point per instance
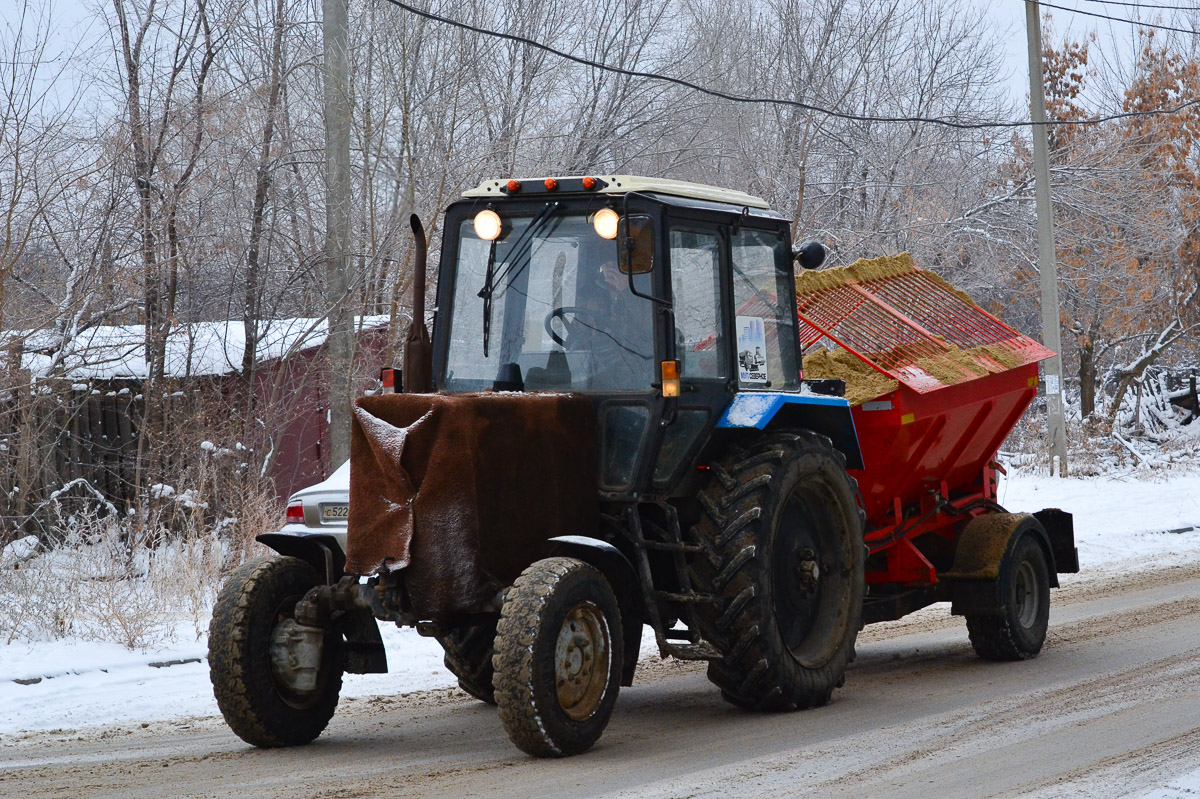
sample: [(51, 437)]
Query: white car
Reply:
[(321, 509)]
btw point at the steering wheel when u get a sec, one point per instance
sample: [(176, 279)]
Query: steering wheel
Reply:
[(582, 317)]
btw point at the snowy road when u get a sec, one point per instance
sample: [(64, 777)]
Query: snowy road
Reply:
[(1111, 708)]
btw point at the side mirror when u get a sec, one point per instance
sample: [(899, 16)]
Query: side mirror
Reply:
[(809, 255), (635, 244)]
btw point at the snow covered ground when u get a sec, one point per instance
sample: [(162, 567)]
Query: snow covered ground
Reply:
[(1120, 525)]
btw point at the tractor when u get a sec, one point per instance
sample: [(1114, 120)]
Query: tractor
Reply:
[(610, 429)]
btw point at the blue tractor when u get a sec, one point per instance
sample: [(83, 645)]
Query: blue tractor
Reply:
[(608, 430)]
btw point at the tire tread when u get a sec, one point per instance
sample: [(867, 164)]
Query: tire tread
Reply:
[(732, 515), (234, 665)]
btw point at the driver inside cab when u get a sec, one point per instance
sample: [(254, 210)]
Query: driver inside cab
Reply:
[(614, 327)]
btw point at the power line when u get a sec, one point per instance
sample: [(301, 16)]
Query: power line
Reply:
[(1120, 19), (737, 98), (1128, 4)]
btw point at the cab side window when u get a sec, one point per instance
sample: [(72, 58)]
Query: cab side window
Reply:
[(696, 291), (764, 330)]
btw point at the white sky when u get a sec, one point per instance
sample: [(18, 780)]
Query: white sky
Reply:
[(1114, 47)]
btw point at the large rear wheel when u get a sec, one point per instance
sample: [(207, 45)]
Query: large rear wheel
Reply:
[(276, 682), (558, 658), (783, 532)]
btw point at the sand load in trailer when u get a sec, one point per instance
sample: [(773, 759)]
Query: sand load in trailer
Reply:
[(937, 383), (908, 324)]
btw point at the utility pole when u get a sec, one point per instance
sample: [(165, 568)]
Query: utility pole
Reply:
[(1047, 264), (334, 26)]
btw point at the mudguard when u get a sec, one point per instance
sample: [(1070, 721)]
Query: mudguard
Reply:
[(620, 574), (984, 544), (828, 416), (321, 551)]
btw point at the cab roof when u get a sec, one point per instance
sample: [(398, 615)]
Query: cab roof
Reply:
[(617, 184)]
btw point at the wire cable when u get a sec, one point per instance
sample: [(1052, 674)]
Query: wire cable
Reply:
[(1119, 19), (1128, 4), (831, 112)]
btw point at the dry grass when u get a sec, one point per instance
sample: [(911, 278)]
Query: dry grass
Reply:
[(139, 582)]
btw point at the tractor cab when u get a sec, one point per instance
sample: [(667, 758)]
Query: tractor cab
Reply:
[(659, 300)]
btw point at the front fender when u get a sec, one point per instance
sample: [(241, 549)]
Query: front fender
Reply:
[(621, 575), (320, 550)]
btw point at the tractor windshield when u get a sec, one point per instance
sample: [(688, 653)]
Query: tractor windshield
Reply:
[(548, 297)]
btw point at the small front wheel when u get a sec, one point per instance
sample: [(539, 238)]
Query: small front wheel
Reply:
[(558, 658), (276, 682), (1018, 631)]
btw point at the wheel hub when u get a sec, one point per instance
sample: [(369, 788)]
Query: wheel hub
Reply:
[(296, 655), (582, 657), (808, 571), (1026, 599)]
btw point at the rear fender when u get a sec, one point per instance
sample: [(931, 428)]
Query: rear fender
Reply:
[(984, 544), (619, 572), (828, 416)]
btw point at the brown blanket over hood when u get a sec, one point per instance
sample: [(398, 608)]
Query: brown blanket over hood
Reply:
[(463, 491)]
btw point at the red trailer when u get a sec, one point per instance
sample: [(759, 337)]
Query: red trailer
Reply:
[(962, 379)]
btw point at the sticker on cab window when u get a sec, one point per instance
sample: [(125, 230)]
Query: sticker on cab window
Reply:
[(751, 349)]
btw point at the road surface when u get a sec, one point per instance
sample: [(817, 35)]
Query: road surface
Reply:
[(1110, 708)]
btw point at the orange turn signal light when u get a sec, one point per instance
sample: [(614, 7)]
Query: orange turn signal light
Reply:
[(670, 378), (387, 380), (589, 183), (514, 186)]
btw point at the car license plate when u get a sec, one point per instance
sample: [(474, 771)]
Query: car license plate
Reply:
[(335, 513)]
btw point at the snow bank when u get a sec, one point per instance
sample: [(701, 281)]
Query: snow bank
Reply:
[(1118, 520), (1119, 525), (18, 551), (73, 684)]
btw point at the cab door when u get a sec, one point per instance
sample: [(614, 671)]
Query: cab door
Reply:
[(697, 256)]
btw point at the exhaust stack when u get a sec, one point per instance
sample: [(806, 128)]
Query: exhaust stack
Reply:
[(418, 351)]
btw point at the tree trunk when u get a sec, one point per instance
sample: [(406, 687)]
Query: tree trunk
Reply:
[(262, 196), (1087, 377)]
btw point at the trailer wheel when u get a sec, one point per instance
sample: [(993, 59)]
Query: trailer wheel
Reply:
[(1019, 630), (272, 690), (558, 658), (469, 651), (782, 530)]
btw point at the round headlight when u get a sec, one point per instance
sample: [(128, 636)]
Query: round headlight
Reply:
[(487, 225), (605, 222)]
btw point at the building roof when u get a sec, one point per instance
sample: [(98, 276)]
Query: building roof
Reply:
[(109, 352)]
